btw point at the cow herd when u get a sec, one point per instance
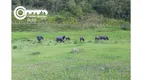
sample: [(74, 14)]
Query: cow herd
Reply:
[(61, 38)]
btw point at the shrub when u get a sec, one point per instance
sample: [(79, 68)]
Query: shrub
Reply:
[(14, 47)]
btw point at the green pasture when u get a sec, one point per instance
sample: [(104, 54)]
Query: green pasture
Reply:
[(48, 60)]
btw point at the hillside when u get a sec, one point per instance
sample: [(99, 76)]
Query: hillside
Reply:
[(119, 9), (73, 14)]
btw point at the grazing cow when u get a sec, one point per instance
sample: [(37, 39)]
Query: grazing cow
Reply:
[(82, 38), (39, 38), (67, 38), (60, 38), (101, 38)]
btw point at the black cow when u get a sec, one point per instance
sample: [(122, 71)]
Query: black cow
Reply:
[(82, 38), (101, 38), (39, 38), (60, 38), (67, 38)]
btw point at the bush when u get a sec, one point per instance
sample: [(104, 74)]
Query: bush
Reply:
[(14, 47)]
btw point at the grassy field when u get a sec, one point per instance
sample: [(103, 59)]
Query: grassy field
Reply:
[(95, 60)]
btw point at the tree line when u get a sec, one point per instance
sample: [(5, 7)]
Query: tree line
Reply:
[(119, 9)]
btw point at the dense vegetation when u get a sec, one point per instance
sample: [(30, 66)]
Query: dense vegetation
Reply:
[(119, 9)]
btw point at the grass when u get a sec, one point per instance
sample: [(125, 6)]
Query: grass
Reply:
[(102, 60)]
